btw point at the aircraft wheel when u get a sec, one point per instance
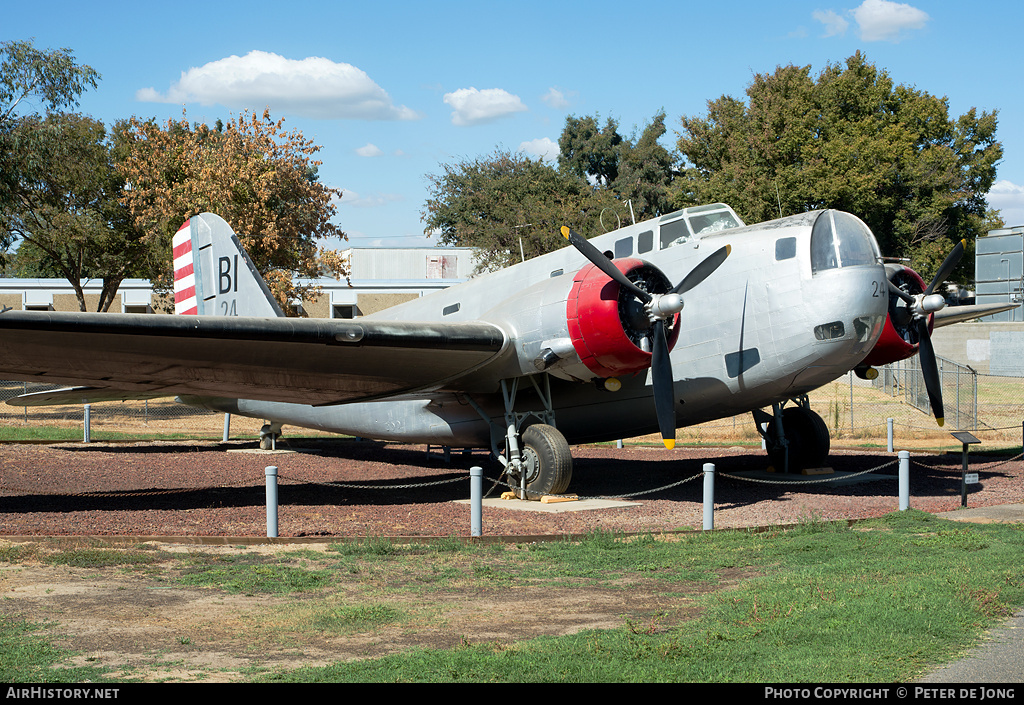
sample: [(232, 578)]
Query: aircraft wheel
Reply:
[(546, 461), (808, 438)]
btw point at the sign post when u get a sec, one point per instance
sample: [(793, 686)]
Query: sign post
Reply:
[(966, 479)]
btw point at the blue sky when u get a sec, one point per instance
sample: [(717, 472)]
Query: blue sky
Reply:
[(393, 90)]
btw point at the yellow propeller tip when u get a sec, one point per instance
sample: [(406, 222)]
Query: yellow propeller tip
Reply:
[(565, 232), (942, 421), (728, 250), (670, 443)]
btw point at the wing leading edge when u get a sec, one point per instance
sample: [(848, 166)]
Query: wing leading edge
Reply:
[(302, 361)]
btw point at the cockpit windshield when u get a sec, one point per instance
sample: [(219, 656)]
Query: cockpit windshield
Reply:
[(841, 240), (681, 226)]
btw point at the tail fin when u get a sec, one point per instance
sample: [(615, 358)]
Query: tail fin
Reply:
[(213, 276)]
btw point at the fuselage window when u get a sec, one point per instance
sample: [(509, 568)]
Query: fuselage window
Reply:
[(645, 241), (624, 247), (674, 233), (448, 310), (785, 248)]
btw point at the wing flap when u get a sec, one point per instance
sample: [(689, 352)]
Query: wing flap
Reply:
[(304, 361)]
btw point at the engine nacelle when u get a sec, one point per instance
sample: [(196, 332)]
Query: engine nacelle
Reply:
[(899, 339), (609, 328)]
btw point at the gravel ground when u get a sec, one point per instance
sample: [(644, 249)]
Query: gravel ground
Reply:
[(217, 489)]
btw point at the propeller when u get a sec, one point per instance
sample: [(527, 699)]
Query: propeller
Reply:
[(919, 308), (659, 307)]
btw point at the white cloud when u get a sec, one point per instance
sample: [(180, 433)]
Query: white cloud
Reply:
[(369, 150), (1008, 198), (834, 24), (374, 200), (312, 87), (542, 147), (556, 99), (881, 20), (474, 107)]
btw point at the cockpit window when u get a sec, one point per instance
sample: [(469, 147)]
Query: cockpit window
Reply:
[(841, 240), (680, 226), (712, 222)]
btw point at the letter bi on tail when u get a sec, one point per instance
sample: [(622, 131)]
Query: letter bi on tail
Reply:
[(213, 275)]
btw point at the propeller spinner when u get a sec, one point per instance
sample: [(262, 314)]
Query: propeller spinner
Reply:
[(659, 307), (920, 307)]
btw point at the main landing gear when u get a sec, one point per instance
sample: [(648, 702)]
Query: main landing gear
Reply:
[(535, 455), (796, 438)]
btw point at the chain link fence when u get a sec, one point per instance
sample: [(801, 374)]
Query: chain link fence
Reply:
[(155, 416)]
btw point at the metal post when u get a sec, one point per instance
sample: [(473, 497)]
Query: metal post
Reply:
[(476, 501), (271, 473), (904, 482), (87, 423), (709, 496), (888, 424), (227, 427), (963, 480)]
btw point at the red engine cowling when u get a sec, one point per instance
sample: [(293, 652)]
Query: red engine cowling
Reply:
[(899, 339), (608, 326)]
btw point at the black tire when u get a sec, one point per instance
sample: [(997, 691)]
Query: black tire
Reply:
[(547, 462), (808, 438)]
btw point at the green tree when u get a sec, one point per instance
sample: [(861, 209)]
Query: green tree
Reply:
[(848, 139), (637, 171), (509, 206), (55, 80), (67, 211)]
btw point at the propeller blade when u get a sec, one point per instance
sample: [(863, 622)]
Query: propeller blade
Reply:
[(948, 265), (661, 377), (597, 258), (930, 370), (703, 270)]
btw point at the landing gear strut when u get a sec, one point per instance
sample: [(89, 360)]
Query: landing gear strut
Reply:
[(536, 457), (796, 438)]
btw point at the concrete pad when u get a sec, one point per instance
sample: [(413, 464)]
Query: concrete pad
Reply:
[(580, 505), (999, 514)]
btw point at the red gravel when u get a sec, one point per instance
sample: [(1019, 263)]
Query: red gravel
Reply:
[(199, 489)]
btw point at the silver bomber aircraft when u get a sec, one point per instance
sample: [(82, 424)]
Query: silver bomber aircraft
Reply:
[(671, 322)]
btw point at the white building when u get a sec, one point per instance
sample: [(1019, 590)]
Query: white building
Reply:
[(378, 279)]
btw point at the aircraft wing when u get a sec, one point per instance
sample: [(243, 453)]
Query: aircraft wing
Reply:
[(959, 314), (302, 361)]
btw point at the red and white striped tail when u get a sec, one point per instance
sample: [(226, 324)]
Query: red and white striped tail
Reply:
[(184, 273)]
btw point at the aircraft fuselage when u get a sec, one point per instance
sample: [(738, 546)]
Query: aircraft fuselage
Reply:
[(785, 314)]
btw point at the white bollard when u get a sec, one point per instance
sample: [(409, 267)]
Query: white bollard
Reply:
[(888, 424), (227, 427), (904, 456), (476, 500), (271, 473), (87, 423), (709, 496)]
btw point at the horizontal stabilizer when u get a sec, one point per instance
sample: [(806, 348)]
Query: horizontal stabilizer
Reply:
[(77, 395)]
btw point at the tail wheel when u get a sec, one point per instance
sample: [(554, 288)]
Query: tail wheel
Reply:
[(807, 436), (547, 462)]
